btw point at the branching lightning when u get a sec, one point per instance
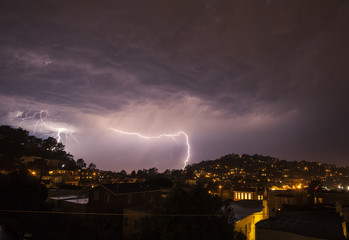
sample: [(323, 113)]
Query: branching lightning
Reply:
[(43, 123), (173, 136)]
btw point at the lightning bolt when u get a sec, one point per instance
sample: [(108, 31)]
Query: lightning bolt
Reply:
[(43, 121), (173, 136)]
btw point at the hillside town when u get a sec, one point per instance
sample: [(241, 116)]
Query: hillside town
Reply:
[(268, 196)]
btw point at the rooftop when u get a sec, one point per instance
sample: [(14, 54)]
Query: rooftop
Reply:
[(245, 208), (129, 187), (323, 224)]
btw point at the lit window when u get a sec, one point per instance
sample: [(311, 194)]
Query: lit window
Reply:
[(249, 196)]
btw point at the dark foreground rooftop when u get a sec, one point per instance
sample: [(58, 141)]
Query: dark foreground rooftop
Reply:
[(323, 224)]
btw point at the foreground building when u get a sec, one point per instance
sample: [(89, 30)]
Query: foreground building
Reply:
[(302, 223), (117, 197), (247, 213)]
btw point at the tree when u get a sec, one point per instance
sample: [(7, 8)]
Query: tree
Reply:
[(21, 191), (68, 162), (13, 144), (123, 173), (16, 143), (189, 213), (80, 163), (314, 186), (133, 174), (92, 166), (152, 172)]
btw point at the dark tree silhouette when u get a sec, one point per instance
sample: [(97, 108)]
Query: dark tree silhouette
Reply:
[(15, 143), (189, 213), (21, 191), (80, 163), (92, 166)]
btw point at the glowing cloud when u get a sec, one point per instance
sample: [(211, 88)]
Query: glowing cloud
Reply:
[(41, 121), (173, 136)]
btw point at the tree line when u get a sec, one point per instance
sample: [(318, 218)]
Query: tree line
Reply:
[(17, 143)]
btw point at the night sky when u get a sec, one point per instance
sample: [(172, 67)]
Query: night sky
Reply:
[(263, 76)]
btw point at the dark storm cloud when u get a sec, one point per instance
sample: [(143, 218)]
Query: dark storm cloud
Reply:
[(241, 60)]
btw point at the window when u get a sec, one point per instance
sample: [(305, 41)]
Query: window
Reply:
[(249, 196), (136, 224), (125, 221)]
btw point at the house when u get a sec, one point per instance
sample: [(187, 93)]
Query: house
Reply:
[(248, 194), (247, 213), (279, 198), (331, 197), (117, 197), (68, 198)]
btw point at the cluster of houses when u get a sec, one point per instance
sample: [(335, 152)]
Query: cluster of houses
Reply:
[(259, 213)]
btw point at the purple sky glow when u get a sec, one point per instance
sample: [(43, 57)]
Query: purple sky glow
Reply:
[(264, 76)]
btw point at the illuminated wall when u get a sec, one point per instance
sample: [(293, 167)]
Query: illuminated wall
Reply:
[(247, 225)]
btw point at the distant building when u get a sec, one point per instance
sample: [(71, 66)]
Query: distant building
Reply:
[(331, 197), (279, 198), (248, 194)]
